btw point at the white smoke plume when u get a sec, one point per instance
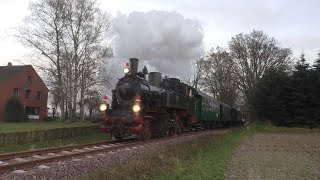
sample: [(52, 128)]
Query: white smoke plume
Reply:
[(163, 41)]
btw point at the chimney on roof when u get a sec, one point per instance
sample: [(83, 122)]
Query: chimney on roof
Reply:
[(9, 63)]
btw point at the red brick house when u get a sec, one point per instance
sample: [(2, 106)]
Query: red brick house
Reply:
[(24, 82)]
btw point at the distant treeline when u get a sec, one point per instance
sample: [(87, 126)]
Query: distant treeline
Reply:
[(290, 97)]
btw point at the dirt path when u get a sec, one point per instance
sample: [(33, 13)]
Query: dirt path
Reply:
[(276, 156)]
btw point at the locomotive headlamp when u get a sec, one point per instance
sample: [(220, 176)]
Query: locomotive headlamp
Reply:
[(126, 69), (136, 108), (103, 107)]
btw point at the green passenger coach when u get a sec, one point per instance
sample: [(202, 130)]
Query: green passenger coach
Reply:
[(211, 112)]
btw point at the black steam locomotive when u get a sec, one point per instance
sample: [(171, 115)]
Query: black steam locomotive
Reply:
[(160, 107)]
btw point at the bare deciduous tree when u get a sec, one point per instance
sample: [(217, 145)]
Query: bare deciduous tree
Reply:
[(219, 77), (86, 28), (252, 54), (43, 31), (71, 35), (92, 100), (195, 78)]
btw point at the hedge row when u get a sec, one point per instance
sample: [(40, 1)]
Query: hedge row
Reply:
[(44, 135)]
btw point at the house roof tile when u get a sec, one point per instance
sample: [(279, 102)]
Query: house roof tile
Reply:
[(8, 72)]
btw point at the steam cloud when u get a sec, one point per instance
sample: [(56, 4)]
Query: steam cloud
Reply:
[(163, 41)]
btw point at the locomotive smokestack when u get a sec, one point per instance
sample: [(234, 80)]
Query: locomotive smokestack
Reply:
[(134, 66)]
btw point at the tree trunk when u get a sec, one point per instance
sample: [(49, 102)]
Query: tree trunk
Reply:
[(81, 103)]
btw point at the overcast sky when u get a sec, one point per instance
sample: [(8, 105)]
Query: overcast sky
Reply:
[(294, 23)]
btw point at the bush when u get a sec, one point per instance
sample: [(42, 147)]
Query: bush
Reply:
[(14, 110), (49, 118)]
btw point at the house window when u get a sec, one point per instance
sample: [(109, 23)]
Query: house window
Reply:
[(28, 94), (32, 112), (36, 110), (16, 91), (38, 95), (30, 78)]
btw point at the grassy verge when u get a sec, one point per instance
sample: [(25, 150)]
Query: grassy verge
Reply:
[(266, 127), (44, 125), (100, 137), (203, 158)]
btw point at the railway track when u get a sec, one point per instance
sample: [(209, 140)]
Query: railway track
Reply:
[(22, 160)]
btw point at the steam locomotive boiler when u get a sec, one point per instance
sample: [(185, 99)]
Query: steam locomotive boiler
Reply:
[(150, 106)]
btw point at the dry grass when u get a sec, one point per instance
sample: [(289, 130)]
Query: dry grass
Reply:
[(277, 156), (99, 137), (6, 127), (203, 158), (267, 127)]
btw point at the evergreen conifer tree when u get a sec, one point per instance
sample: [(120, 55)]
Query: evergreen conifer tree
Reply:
[(290, 100), (267, 100), (302, 95), (316, 91)]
